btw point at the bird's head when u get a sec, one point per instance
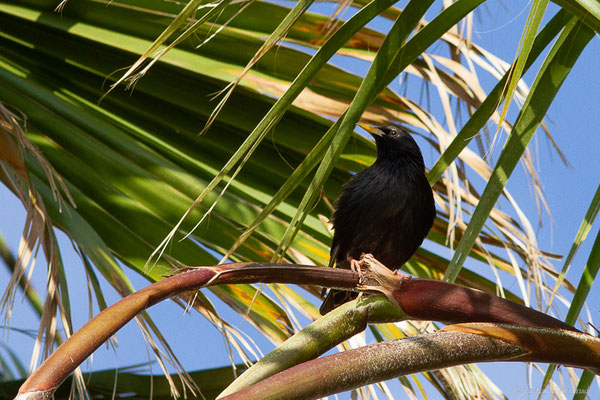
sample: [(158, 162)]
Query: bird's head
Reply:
[(394, 142)]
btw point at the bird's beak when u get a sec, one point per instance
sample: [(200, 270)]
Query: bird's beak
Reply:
[(371, 129)]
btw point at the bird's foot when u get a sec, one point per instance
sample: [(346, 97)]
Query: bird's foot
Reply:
[(355, 266)]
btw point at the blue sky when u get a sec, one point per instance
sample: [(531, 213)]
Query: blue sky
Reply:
[(575, 117)]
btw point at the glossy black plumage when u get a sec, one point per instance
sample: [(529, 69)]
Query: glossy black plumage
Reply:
[(386, 210)]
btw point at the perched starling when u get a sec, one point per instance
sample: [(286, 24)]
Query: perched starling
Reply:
[(386, 210)]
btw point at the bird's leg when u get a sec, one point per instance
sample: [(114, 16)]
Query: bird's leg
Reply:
[(355, 266)]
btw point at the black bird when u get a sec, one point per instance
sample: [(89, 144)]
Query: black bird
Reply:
[(386, 209)]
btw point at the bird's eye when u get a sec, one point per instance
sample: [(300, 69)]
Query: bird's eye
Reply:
[(393, 132)]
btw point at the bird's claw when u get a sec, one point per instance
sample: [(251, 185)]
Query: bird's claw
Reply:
[(355, 266)]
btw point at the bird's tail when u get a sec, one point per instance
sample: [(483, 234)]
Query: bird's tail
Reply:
[(336, 298)]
